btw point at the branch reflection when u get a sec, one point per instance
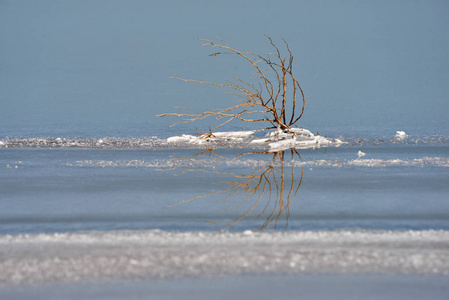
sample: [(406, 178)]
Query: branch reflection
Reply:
[(268, 188)]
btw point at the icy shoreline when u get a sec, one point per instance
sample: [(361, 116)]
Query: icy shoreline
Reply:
[(87, 256)]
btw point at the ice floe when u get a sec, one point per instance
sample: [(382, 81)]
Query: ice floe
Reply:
[(400, 135), (275, 141)]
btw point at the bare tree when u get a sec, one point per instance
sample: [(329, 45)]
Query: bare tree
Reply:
[(273, 99)]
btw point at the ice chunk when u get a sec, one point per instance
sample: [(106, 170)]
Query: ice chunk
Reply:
[(259, 141), (277, 140), (400, 135), (302, 133), (282, 144), (187, 138), (235, 134)]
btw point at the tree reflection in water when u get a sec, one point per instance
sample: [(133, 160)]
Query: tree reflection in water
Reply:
[(270, 180)]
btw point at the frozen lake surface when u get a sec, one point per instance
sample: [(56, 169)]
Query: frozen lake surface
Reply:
[(56, 185), (141, 213), (88, 256)]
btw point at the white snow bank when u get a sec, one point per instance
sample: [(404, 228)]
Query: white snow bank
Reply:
[(275, 141), (298, 138), (71, 257), (217, 136)]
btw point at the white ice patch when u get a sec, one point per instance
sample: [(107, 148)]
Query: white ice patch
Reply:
[(232, 136), (185, 138), (282, 144), (235, 134), (276, 141), (400, 135), (299, 138)]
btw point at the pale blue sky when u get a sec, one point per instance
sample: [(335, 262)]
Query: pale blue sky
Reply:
[(362, 64)]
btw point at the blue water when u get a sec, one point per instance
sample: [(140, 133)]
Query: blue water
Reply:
[(53, 189)]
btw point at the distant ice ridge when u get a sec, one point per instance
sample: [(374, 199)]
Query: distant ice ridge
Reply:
[(104, 143), (90, 256), (275, 141)]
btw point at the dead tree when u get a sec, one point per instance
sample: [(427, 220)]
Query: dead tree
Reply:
[(273, 99)]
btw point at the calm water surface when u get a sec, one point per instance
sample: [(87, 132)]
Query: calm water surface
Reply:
[(129, 183)]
